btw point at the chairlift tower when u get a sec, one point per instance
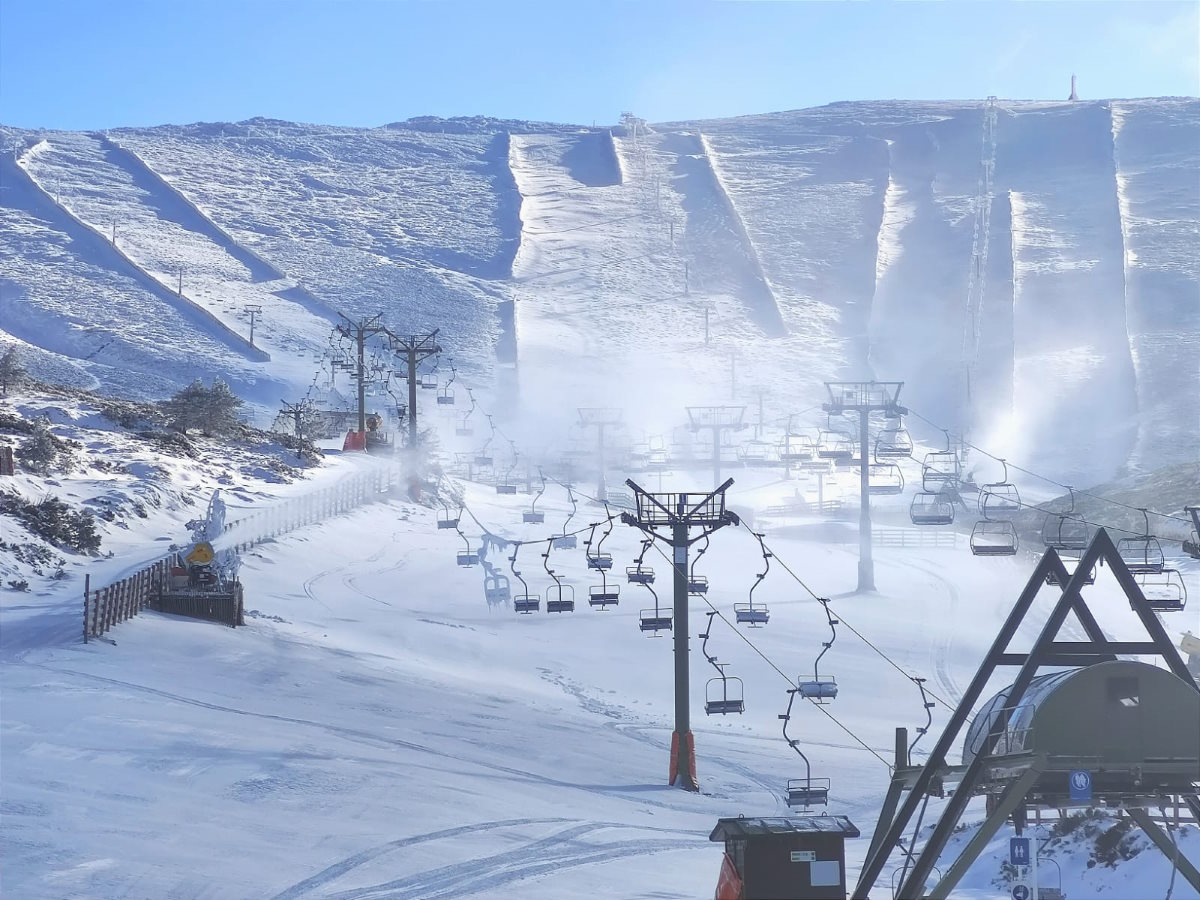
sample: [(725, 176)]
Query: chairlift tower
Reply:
[(359, 332), (600, 418), (864, 397), (717, 420), (415, 349), (676, 515)]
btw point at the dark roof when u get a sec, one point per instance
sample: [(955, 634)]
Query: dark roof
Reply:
[(742, 827)]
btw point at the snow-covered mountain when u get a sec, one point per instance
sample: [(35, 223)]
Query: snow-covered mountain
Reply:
[(828, 242)]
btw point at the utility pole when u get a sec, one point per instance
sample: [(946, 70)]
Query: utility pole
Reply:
[(678, 513), (717, 420), (707, 307), (255, 310), (415, 349), (758, 429), (865, 397), (600, 418), (359, 332)]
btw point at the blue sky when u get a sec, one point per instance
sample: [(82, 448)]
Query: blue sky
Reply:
[(86, 64)]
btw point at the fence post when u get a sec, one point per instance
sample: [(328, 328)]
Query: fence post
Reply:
[(87, 587)]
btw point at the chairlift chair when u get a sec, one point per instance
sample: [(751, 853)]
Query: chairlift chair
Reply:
[(835, 445), (654, 620), (560, 599), (428, 382), (604, 595), (723, 695), (940, 467), (447, 519), (698, 584), (821, 688), (524, 602), (807, 791), (1164, 591), (599, 561), (639, 574), (506, 487), (496, 589), (754, 453), (748, 614), (929, 508), (467, 557), (1142, 555), (999, 499), (445, 397), (1066, 531), (1071, 565), (994, 538), (796, 448), (893, 443), (885, 479), (565, 542), (532, 516), (803, 793)]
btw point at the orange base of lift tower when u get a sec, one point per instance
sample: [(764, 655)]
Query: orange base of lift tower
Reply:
[(685, 754), (355, 440), (729, 885)]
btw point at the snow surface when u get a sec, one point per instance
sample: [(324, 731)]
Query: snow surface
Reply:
[(377, 731), (826, 243)]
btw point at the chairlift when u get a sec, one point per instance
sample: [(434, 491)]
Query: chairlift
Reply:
[(656, 619), (566, 541), (532, 516), (885, 479), (468, 557), (806, 792), (796, 448), (1071, 565), (1142, 555), (994, 538), (835, 445), (560, 597), (940, 467), (893, 443), (525, 602), (638, 573), (999, 499), (1191, 546), (928, 508), (821, 688), (496, 589), (1066, 531), (1164, 590), (754, 453), (604, 594), (465, 428), (747, 613), (447, 519), (723, 694), (445, 397), (698, 584), (508, 486)]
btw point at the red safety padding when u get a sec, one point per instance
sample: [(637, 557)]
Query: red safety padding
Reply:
[(729, 885), (355, 440)]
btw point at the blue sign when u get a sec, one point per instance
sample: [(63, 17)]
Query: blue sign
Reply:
[(1020, 892), (1080, 783), (1018, 851)]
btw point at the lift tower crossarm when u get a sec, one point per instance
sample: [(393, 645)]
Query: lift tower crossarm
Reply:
[(865, 398), (679, 513)]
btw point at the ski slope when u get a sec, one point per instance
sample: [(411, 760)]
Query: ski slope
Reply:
[(378, 731)]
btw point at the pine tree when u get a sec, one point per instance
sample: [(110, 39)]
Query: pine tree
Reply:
[(210, 410), (11, 370)]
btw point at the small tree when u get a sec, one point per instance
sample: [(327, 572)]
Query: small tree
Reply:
[(11, 370), (37, 452), (210, 410)]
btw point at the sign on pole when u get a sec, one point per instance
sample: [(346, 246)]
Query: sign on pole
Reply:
[(1021, 892), (1018, 851)]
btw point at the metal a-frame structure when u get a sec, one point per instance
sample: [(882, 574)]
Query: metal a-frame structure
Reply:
[(917, 785)]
